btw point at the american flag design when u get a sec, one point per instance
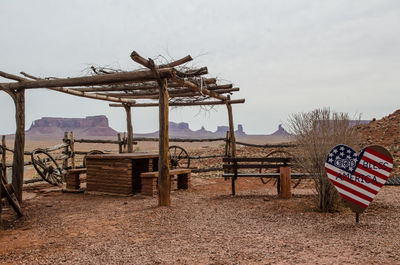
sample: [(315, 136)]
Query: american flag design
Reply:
[(358, 178)]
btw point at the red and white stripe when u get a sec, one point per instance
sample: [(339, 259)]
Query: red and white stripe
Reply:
[(360, 192)]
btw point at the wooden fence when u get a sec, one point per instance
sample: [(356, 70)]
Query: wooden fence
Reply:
[(67, 151)]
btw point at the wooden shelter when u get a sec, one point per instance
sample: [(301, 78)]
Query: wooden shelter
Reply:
[(155, 85)]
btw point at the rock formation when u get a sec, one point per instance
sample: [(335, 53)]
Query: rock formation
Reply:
[(49, 127), (280, 132)]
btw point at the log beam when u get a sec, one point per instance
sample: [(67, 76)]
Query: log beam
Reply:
[(196, 88), (134, 76), (149, 85), (184, 92), (179, 104), (83, 94)]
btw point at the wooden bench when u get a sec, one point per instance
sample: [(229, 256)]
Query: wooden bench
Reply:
[(233, 166), (150, 180), (72, 178)]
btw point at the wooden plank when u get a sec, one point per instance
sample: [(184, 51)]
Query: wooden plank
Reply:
[(257, 159), (250, 166), (77, 170), (122, 156), (285, 183), (266, 175), (171, 172), (110, 184), (98, 141), (256, 175)]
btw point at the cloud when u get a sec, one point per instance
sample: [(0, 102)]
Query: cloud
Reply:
[(286, 56)]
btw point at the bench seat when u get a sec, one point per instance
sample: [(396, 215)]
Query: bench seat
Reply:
[(72, 178), (150, 180), (265, 175)]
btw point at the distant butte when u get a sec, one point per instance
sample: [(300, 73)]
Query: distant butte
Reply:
[(90, 126), (98, 126)]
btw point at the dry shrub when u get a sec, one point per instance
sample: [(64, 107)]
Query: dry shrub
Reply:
[(316, 133)]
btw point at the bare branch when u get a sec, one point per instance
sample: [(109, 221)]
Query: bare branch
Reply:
[(12, 77)]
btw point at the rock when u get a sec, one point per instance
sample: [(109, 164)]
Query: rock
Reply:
[(49, 127)]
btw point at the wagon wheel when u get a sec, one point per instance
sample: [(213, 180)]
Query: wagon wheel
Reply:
[(278, 154), (47, 167), (92, 152), (178, 157)]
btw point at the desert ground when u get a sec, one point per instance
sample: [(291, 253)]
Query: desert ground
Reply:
[(204, 225)]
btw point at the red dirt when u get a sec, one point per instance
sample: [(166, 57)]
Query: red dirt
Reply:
[(205, 225)]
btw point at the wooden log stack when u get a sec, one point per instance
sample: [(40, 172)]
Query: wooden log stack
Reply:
[(114, 177)]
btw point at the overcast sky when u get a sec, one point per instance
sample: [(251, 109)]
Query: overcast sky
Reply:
[(286, 56)]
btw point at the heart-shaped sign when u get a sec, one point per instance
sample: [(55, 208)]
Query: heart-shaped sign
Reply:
[(358, 178)]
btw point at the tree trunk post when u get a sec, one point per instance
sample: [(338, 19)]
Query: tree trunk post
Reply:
[(19, 144), (129, 127), (125, 141), (3, 171), (65, 151), (231, 128), (120, 143), (164, 183), (227, 144), (72, 144), (4, 156)]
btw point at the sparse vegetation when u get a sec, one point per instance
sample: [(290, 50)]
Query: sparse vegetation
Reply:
[(315, 133)]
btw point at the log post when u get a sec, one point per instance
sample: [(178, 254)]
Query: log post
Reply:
[(232, 139), (65, 151), (231, 128), (19, 143), (285, 182), (3, 171), (120, 143), (72, 144), (4, 157), (125, 142), (129, 128), (227, 144), (164, 183)]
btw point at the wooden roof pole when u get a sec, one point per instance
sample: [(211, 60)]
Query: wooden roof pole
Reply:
[(195, 88), (128, 87), (82, 94), (153, 94), (175, 104), (106, 79)]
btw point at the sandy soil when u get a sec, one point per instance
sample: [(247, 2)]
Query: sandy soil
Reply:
[(204, 225)]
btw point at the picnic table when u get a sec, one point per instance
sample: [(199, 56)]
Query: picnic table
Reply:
[(118, 173)]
